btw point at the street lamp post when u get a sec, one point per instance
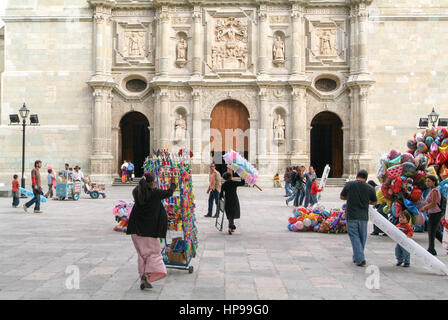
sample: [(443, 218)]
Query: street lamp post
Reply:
[(14, 120), (432, 120)]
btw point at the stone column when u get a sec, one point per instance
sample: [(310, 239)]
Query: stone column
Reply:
[(253, 140), (102, 83), (197, 126), (299, 120), (164, 118), (362, 116), (362, 38), (298, 35), (263, 33), (197, 42), (164, 40), (263, 124), (353, 32)]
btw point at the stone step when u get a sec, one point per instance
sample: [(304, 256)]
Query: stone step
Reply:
[(336, 182), (117, 182)]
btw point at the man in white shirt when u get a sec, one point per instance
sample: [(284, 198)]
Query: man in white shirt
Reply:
[(78, 175)]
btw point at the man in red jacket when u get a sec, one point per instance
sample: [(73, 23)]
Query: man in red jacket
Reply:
[(37, 188)]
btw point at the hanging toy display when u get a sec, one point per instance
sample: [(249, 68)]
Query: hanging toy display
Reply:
[(180, 207), (242, 167)]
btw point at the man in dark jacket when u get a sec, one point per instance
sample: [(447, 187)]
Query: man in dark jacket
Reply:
[(293, 185)]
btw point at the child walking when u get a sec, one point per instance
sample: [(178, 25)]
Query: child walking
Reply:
[(50, 178), (277, 181), (314, 191), (403, 256), (15, 191), (232, 204)]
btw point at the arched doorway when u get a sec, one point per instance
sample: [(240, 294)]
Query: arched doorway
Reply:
[(134, 128), (229, 130), (327, 144)]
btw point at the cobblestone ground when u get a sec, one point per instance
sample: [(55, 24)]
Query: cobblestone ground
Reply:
[(262, 260)]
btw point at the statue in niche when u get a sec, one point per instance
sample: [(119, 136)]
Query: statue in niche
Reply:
[(279, 49), (182, 49), (279, 128), (180, 128)]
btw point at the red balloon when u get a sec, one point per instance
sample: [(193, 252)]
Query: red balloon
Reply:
[(416, 194)]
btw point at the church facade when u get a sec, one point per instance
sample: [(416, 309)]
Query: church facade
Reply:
[(284, 82)]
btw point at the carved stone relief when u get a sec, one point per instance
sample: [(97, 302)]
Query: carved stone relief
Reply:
[(230, 44), (133, 43)]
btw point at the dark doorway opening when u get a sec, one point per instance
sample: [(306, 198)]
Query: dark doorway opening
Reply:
[(134, 140), (327, 144)]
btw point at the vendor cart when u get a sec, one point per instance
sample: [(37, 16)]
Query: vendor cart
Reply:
[(67, 190), (94, 190), (180, 245)]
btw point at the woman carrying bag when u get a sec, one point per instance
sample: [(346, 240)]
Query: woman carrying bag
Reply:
[(147, 223)]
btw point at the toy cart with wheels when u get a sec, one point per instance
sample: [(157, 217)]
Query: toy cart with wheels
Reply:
[(181, 242), (95, 190), (67, 190)]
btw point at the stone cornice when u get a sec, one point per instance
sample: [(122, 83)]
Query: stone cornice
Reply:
[(103, 3)]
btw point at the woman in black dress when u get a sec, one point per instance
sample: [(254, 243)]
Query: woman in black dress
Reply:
[(147, 223), (232, 204)]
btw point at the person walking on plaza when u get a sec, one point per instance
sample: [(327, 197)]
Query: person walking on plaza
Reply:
[(213, 190), (358, 195), (403, 256), (309, 176), (37, 188), (232, 203), (294, 172), (300, 186), (287, 178), (147, 223), (131, 171), (277, 181), (50, 178), (15, 191), (314, 191), (432, 207)]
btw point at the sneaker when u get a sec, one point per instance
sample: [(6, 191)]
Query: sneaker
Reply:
[(399, 264), (25, 208), (406, 265), (374, 234), (362, 264), (37, 211)]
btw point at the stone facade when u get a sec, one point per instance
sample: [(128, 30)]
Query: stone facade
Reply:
[(72, 61)]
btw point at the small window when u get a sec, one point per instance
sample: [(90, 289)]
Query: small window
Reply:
[(135, 85), (326, 85)]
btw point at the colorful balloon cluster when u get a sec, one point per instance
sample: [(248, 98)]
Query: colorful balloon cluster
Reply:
[(180, 207), (242, 167), (317, 220), (403, 175), (121, 212)]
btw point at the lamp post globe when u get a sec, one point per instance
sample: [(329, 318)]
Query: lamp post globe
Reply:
[(24, 112), (433, 117)]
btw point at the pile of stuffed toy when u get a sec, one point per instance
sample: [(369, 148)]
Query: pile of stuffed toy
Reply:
[(403, 175), (317, 219), (121, 212)]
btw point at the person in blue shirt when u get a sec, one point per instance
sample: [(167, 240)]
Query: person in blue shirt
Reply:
[(130, 171)]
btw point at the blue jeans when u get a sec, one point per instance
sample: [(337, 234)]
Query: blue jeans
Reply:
[(357, 231), (308, 197), (402, 255), (313, 199), (287, 188), (213, 197), (292, 197), (300, 195), (15, 199), (35, 200)]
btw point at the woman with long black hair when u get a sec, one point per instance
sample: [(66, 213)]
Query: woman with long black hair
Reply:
[(147, 223), (232, 204)]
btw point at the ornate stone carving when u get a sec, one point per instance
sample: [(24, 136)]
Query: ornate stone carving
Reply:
[(279, 128), (230, 45), (327, 42), (181, 20), (135, 43), (279, 19)]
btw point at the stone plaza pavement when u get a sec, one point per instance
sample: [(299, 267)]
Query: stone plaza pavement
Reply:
[(262, 260)]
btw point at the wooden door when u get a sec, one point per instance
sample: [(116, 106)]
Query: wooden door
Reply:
[(233, 115)]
